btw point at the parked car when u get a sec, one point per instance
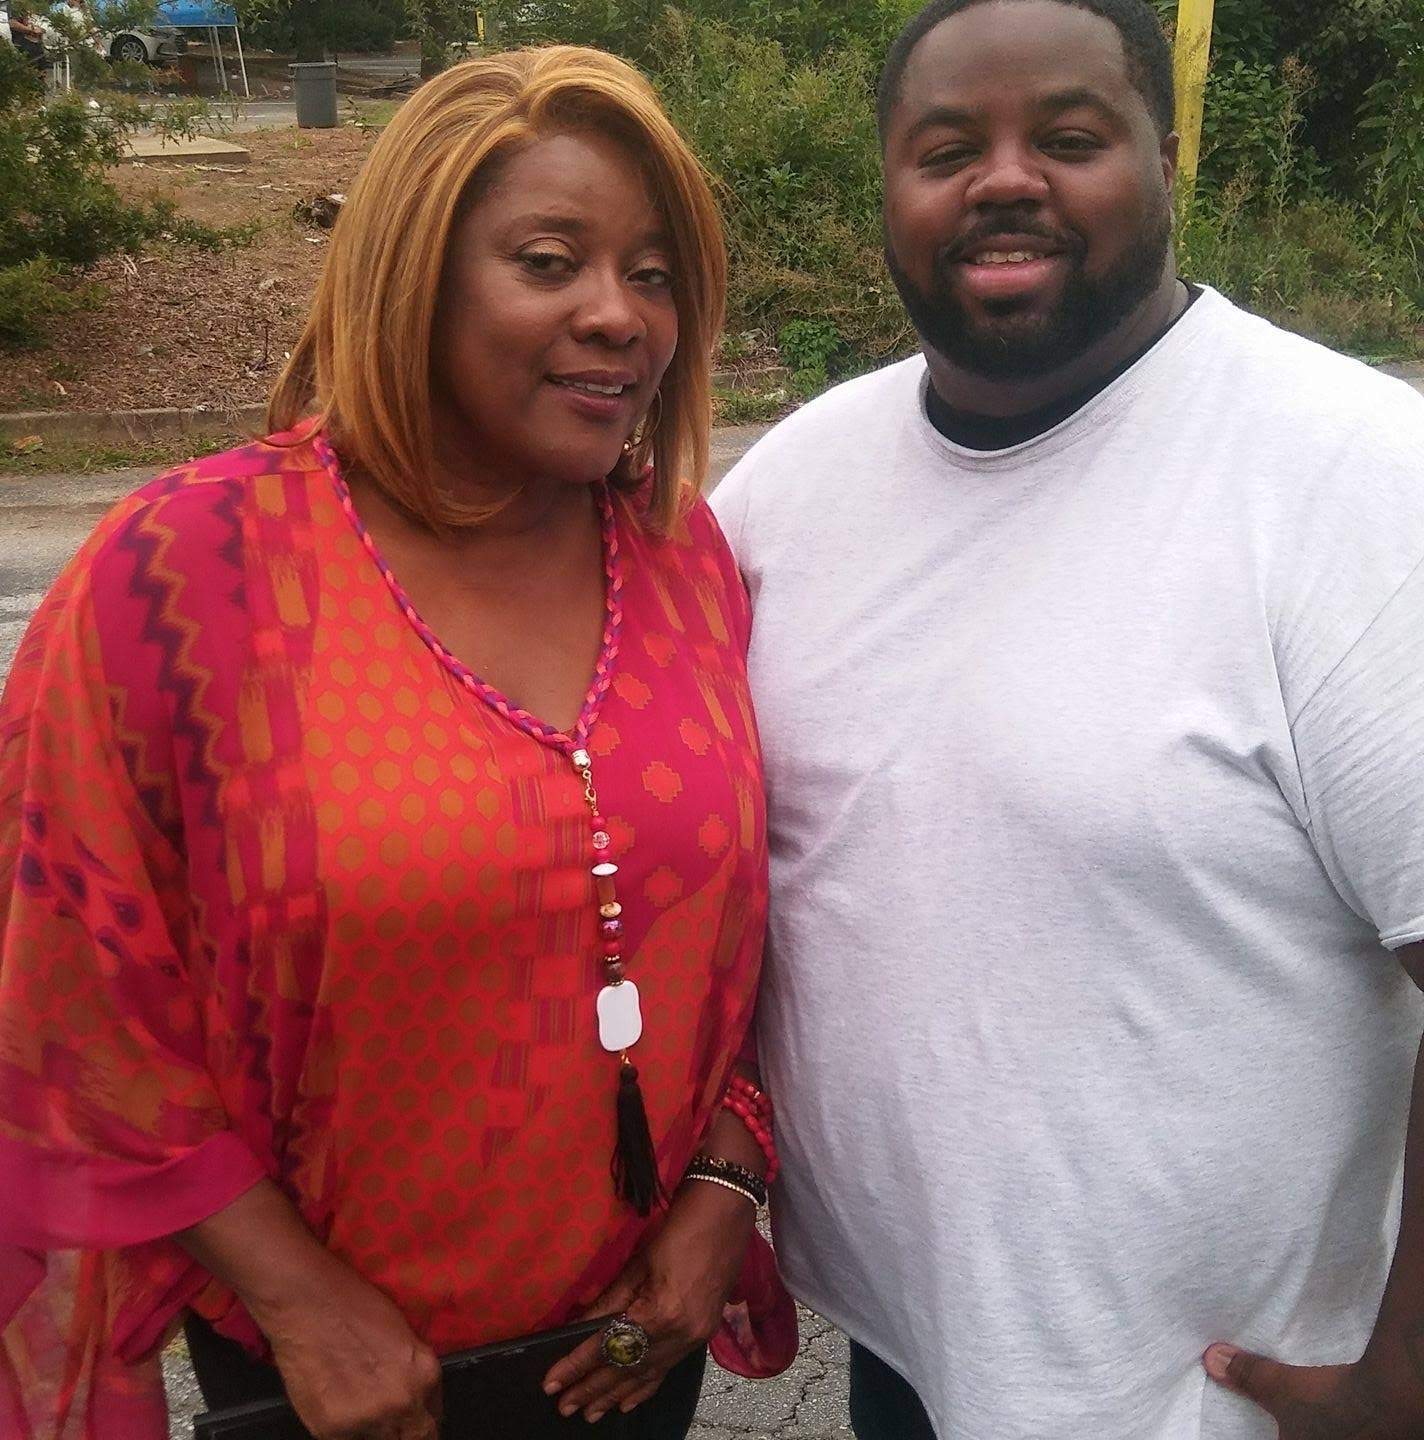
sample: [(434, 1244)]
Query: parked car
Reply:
[(154, 46)]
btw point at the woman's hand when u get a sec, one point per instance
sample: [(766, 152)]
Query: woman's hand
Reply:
[(675, 1288), (353, 1367)]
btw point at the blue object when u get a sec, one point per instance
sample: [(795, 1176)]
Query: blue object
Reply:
[(195, 14)]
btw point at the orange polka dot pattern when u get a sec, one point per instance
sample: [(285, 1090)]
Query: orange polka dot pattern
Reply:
[(338, 923)]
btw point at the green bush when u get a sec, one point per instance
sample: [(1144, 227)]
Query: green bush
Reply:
[(804, 29), (1322, 267), (308, 29), (1392, 121), (792, 148), (442, 27), (1251, 128), (57, 210), (812, 350), (1348, 47), (1246, 30), (29, 295), (1329, 250), (54, 200), (20, 82), (370, 26)]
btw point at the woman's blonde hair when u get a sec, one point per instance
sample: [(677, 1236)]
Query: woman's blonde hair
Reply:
[(362, 366)]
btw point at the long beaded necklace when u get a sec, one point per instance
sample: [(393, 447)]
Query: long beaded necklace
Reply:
[(620, 1019), (620, 1016)]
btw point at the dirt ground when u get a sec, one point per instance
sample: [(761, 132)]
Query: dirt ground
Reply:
[(188, 327)]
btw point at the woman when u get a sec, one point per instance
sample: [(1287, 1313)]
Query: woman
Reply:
[(341, 891)]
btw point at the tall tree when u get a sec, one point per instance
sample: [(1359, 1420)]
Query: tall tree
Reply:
[(440, 25), (307, 26)]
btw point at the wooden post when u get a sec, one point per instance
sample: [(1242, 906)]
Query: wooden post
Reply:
[(1193, 56)]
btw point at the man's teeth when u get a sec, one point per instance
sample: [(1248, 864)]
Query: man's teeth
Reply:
[(1006, 257), (592, 388)]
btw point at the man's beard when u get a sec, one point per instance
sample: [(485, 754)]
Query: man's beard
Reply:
[(1012, 346)]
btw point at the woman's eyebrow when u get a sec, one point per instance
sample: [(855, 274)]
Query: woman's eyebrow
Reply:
[(656, 236), (549, 220)]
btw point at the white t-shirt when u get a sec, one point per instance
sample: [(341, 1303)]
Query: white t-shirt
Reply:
[(1096, 771)]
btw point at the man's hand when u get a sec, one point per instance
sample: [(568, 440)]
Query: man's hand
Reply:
[(1381, 1396), (675, 1288), (1320, 1402)]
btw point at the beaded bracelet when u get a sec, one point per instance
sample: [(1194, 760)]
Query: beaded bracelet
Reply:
[(720, 1171), (753, 1108)]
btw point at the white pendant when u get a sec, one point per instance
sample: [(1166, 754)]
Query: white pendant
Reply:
[(620, 1018)]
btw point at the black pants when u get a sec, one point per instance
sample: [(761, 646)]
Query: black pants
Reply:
[(883, 1405), (228, 1376)]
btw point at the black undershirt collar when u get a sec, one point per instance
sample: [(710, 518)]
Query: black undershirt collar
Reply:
[(1000, 432)]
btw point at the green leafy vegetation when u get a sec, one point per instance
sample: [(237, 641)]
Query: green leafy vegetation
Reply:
[(1313, 171), (1308, 207), (791, 144), (307, 29)]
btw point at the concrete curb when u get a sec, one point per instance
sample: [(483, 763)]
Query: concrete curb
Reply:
[(118, 427)]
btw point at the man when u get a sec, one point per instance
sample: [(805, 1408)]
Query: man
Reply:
[(26, 34), (1089, 658)]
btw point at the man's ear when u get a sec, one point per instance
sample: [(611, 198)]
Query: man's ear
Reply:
[(1171, 145)]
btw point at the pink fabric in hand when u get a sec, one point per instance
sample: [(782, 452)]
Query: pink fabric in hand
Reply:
[(759, 1335)]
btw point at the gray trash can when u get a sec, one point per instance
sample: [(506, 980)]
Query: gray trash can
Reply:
[(314, 85)]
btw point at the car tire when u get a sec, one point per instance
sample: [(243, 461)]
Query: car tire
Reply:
[(130, 49)]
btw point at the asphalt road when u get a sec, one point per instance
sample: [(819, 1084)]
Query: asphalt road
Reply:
[(43, 521)]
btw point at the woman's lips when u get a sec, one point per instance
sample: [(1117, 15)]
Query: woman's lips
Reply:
[(590, 399)]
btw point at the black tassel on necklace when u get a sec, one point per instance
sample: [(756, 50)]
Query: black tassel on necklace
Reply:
[(635, 1166)]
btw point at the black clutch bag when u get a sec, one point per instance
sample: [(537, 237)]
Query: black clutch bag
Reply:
[(490, 1393)]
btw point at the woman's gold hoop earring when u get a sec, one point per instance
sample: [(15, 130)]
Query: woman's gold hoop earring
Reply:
[(647, 429)]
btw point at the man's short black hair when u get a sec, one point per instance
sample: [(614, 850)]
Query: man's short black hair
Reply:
[(1149, 58)]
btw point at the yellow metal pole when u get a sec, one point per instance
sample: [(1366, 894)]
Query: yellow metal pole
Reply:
[(1193, 56)]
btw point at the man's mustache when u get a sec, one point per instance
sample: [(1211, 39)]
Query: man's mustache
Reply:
[(1008, 230)]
